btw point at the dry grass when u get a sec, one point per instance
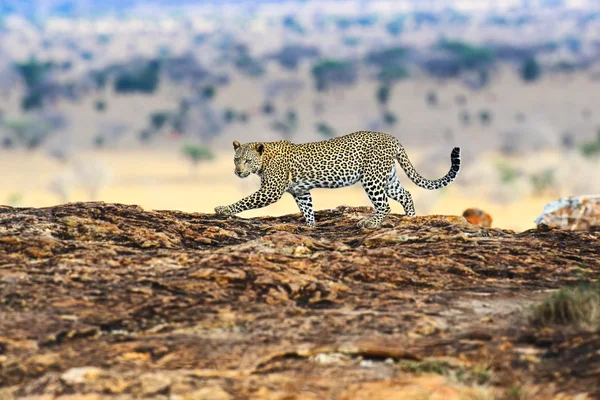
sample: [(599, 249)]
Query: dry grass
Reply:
[(577, 307)]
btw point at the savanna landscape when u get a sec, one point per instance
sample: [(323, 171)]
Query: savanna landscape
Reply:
[(117, 280)]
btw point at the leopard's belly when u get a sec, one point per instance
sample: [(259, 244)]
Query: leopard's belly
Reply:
[(297, 186)]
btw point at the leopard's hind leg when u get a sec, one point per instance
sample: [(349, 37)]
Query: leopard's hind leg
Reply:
[(401, 195), (304, 201), (374, 182)]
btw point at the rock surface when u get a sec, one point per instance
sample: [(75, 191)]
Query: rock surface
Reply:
[(110, 301), (574, 213)]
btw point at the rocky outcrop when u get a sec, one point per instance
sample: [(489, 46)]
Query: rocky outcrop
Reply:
[(574, 213), (103, 300)]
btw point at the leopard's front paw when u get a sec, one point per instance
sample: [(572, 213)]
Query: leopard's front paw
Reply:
[(223, 210)]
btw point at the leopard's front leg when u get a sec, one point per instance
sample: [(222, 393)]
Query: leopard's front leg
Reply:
[(273, 185), (258, 199)]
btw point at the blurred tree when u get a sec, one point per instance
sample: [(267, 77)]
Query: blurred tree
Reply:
[(390, 74), (389, 56), (485, 116), (395, 26), (158, 119), (208, 92), (432, 98), (34, 72), (508, 173), (229, 115), (291, 23), (325, 129), (531, 70), (243, 117), (268, 108), (196, 154), (99, 141), (144, 79), (591, 148), (29, 132), (334, 73), (32, 100), (464, 117), (543, 181), (470, 56), (383, 95), (390, 118), (290, 55), (145, 135), (99, 78), (292, 119), (100, 105)]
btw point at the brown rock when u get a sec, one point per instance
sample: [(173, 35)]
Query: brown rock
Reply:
[(110, 301)]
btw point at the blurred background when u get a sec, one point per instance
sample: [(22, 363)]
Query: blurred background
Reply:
[(138, 101)]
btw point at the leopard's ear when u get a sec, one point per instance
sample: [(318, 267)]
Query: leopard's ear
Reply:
[(236, 144), (260, 148)]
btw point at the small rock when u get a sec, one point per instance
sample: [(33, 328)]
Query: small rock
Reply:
[(80, 375), (478, 217), (330, 358)]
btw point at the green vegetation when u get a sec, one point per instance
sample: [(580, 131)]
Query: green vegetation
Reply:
[(389, 56), (478, 375), (99, 141), (15, 199), (516, 392), (243, 117), (29, 132), (34, 72), (351, 41), (396, 26), (543, 181), (508, 174), (268, 108), (392, 73), (208, 92), (390, 118), (485, 116), (248, 65), (464, 117), (531, 70), (432, 98), (290, 23), (100, 105), (99, 78), (591, 148), (383, 94), (143, 79), (327, 73), (229, 115), (196, 153), (470, 56), (32, 100), (325, 129), (145, 135), (577, 307), (158, 119)]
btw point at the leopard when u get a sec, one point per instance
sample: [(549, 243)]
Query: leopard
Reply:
[(365, 157)]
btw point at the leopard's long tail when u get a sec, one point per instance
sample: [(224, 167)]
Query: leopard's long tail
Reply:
[(426, 183)]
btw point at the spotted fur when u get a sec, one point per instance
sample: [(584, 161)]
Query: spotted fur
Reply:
[(366, 157)]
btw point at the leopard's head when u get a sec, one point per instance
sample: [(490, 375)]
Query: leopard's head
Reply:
[(248, 158)]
